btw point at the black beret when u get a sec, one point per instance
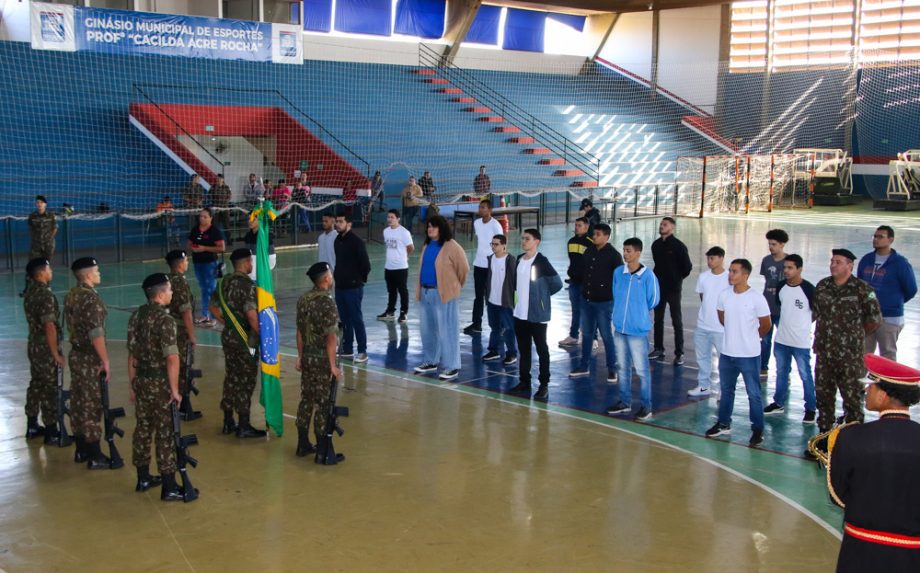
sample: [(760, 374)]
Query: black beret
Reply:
[(175, 255), (844, 253), (317, 270), (83, 263), (156, 279), (36, 264), (41, 198), (240, 254), (586, 202)]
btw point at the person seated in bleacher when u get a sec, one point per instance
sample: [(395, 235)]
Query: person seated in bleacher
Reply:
[(301, 195), (281, 195)]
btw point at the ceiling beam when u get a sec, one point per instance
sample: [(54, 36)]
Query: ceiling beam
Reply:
[(460, 16)]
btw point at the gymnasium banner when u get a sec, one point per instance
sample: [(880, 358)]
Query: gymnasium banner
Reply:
[(67, 28)]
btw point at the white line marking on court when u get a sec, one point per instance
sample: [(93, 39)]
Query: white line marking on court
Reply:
[(171, 534)]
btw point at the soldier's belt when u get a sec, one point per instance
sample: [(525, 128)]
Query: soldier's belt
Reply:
[(313, 353), (81, 348), (150, 371), (882, 537)]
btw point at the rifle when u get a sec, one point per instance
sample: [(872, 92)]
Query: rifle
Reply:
[(110, 415), (325, 451), (191, 373), (64, 439), (183, 460)]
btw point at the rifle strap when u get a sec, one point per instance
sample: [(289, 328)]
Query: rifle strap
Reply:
[(231, 316)]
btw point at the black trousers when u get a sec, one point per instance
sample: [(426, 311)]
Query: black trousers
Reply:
[(396, 283), (530, 334), (480, 276), (670, 298)]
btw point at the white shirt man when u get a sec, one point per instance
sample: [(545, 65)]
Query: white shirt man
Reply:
[(485, 228), (327, 241), (398, 241), (709, 331)]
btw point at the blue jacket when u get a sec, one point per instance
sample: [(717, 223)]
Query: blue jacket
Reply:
[(544, 283), (894, 282), (634, 296)]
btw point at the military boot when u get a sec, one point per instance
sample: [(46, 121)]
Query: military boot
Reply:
[(33, 430), (304, 447), (245, 430), (51, 433), (96, 459), (229, 423), (80, 454), (146, 481), (521, 388), (170, 490), (188, 413)]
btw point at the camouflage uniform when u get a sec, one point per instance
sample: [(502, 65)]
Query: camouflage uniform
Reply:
[(182, 300), (316, 317), (241, 367), (151, 338), (41, 231), (85, 314), (193, 196), (841, 313), (41, 307), (220, 197)]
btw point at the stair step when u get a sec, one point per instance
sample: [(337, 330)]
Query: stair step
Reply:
[(440, 81), (533, 150), (424, 72), (552, 161), (568, 173), (466, 99), (477, 109), (492, 119), (522, 139), (449, 91), (591, 183), (507, 129)]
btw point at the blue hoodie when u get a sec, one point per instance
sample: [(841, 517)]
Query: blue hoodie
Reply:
[(894, 282), (634, 296)]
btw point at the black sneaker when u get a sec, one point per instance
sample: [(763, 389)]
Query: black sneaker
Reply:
[(643, 415), (773, 408), (542, 393), (579, 373), (473, 329), (425, 367), (402, 318), (491, 355), (809, 417), (619, 408), (612, 377), (388, 316), (717, 430), (679, 360), (509, 359), (756, 438), (655, 354), (449, 374)]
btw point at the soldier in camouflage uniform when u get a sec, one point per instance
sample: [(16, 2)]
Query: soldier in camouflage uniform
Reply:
[(153, 369), (85, 314), (317, 341), (845, 309), (42, 229), (193, 194), (43, 314), (234, 305), (180, 309)]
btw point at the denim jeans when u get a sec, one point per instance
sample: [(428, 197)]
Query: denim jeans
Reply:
[(784, 355), (633, 352), (348, 301), (206, 273), (597, 316), (766, 344), (440, 326), (577, 301), (501, 324), (749, 369), (704, 341), (408, 216)]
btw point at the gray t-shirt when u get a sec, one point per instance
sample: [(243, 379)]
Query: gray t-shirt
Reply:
[(772, 272)]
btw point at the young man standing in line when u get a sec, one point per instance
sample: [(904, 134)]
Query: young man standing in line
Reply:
[(398, 241), (350, 276), (746, 317), (635, 295), (500, 302), (709, 331), (485, 228), (672, 266), (326, 241), (577, 246), (771, 267), (794, 297), (537, 281)]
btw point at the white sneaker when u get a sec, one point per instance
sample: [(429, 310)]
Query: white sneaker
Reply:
[(568, 341), (699, 391), (594, 346)]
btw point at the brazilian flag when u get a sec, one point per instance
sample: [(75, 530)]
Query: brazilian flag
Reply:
[(268, 323)]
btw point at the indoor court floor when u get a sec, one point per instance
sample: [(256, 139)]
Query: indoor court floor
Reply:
[(449, 476)]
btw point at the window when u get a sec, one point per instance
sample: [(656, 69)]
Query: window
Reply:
[(889, 30), (748, 49), (807, 33)]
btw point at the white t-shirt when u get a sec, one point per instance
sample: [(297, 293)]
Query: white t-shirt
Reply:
[(484, 233), (710, 285), (498, 279), (327, 248), (396, 241), (742, 321), (794, 327), (523, 287)]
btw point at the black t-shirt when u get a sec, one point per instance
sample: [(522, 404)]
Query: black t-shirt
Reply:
[(251, 239), (207, 238)]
